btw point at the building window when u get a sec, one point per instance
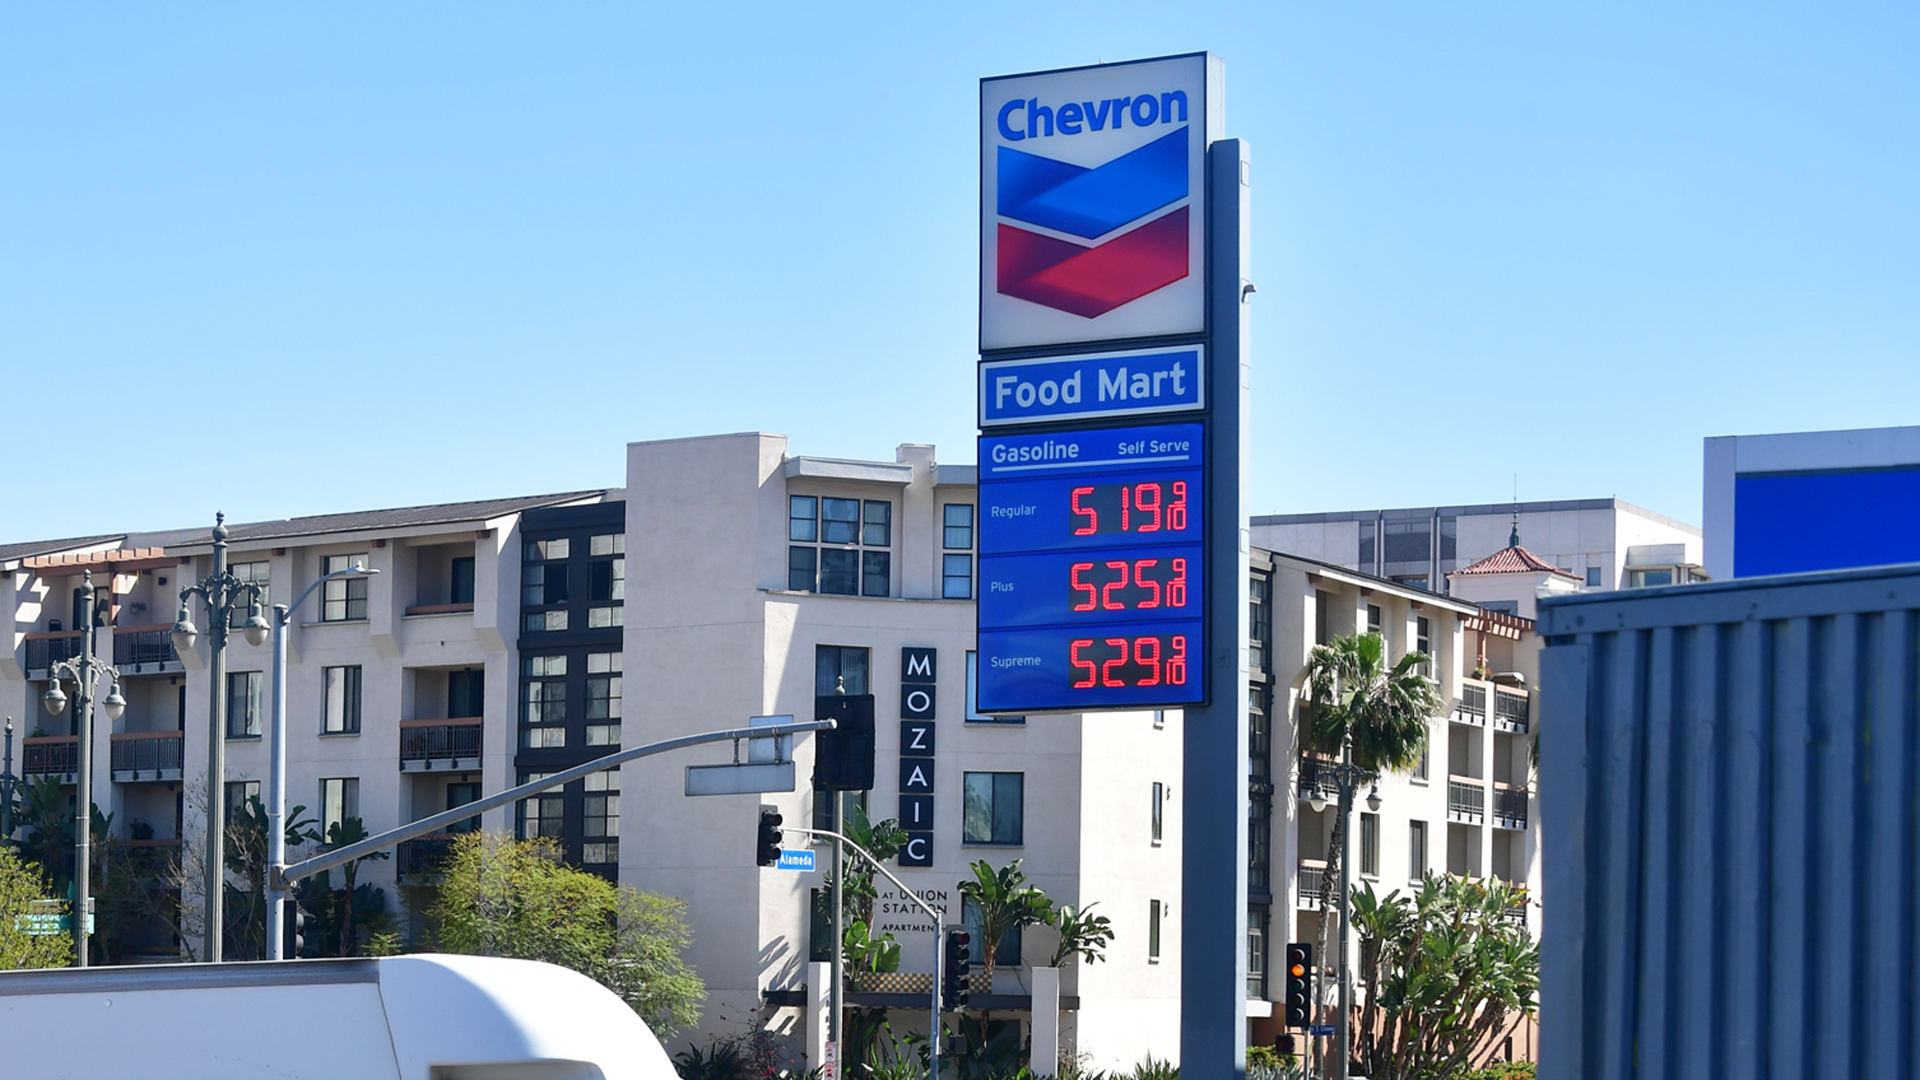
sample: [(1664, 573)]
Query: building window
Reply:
[(823, 807), (466, 693), (460, 580), (956, 577), (1257, 915), (239, 793), (1593, 577), (243, 704), (803, 518), (543, 585), (1322, 607), (1644, 579), (1257, 623), (1416, 850), (859, 564), (606, 579), (994, 813), (543, 814), (543, 702), (254, 573), (1364, 559), (974, 715), (1373, 618), (1419, 775), (600, 832), (460, 794), (1159, 796), (1153, 931), (339, 800), (839, 669), (1006, 953), (603, 702), (343, 599), (340, 687), (957, 522), (1370, 844), (1423, 643)]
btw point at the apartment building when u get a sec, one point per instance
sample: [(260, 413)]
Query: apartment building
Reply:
[(731, 578), (1605, 543), (1467, 808)]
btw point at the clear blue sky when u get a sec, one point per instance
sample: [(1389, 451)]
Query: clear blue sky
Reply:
[(285, 259)]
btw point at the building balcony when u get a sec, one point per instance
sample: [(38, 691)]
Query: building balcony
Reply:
[(1472, 706), (146, 756), (51, 755), (48, 647), (145, 650), (417, 862), (153, 861), (1316, 779), (440, 609), (1309, 884), (1509, 808), (441, 745), (1510, 711), (1466, 799)]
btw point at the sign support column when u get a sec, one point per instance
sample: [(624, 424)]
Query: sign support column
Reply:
[(1213, 841)]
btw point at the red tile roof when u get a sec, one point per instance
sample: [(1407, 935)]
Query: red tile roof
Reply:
[(1514, 560)]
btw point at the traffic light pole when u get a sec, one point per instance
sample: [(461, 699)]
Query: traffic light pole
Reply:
[(933, 1037), (282, 877)]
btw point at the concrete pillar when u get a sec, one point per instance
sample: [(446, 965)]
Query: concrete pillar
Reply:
[(819, 983), (1045, 1059)]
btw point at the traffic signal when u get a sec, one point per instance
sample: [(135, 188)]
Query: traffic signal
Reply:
[(768, 852), (843, 757), (1283, 1044), (1299, 985), (957, 970), (293, 930)]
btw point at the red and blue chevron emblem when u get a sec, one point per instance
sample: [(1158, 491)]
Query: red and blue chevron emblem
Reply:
[(1091, 280)]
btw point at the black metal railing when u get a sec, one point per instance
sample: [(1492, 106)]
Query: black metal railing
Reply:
[(1473, 704), (1510, 805), (144, 646), (51, 755), (43, 652), (1312, 880), (147, 751), (424, 855), (1316, 778), (1466, 799), (441, 740), (1510, 709)]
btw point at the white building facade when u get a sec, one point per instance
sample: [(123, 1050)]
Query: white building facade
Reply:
[(1605, 543)]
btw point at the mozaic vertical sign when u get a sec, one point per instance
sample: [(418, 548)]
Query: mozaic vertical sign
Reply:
[(1092, 219)]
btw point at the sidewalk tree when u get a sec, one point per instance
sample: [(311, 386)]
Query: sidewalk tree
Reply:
[(22, 885), (1005, 902), (1352, 688), (516, 898), (1448, 971)]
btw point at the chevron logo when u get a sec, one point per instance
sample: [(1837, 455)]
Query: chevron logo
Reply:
[(1091, 280)]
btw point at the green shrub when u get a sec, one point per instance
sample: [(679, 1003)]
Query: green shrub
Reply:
[(1504, 1070)]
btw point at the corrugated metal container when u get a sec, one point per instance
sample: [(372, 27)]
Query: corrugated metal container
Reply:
[(1730, 830)]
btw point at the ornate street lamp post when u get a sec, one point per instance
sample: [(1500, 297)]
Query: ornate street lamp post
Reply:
[(1348, 777), (84, 671), (222, 594)]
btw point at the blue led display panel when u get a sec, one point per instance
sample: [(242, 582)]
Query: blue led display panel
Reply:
[(1789, 523), (1091, 593)]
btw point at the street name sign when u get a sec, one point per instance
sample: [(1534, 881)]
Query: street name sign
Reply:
[(795, 860)]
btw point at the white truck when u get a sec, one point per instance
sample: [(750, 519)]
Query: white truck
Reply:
[(421, 1017)]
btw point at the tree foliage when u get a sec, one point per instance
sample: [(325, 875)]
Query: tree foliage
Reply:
[(516, 898), (1447, 972), (1082, 934), (21, 884), (1005, 901)]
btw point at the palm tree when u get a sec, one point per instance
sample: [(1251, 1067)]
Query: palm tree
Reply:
[(1353, 692), (1005, 902)]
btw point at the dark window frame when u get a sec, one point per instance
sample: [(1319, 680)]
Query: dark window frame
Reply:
[(998, 798), (351, 700)]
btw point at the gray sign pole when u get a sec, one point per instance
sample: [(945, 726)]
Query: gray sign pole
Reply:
[(1213, 890)]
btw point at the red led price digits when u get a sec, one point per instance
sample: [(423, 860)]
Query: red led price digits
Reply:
[(1118, 663), (1122, 585), (1129, 508)]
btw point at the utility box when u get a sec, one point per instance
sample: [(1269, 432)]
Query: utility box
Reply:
[(1728, 777)]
